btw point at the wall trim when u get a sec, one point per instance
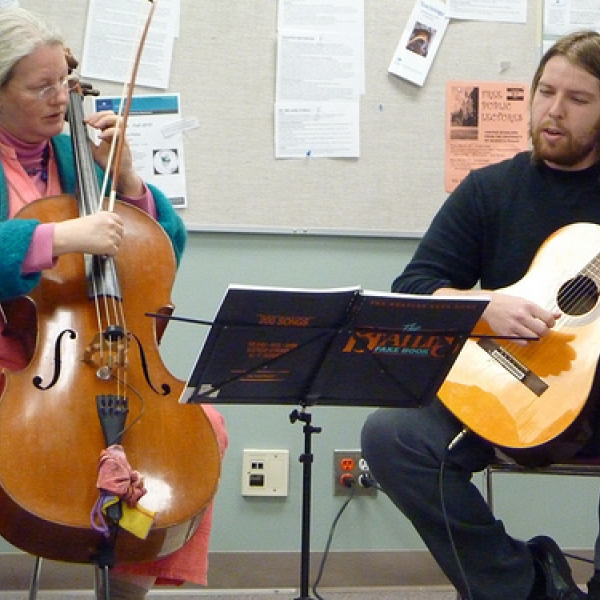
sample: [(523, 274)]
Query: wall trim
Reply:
[(270, 570)]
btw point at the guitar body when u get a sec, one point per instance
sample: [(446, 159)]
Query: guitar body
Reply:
[(532, 401)]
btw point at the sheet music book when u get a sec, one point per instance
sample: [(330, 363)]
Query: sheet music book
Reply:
[(339, 346)]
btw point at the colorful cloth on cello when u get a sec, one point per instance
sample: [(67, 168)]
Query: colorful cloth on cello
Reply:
[(115, 476), (119, 483)]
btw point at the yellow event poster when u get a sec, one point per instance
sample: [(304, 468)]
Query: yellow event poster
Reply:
[(486, 122)]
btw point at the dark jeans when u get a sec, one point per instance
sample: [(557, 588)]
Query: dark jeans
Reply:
[(405, 448)]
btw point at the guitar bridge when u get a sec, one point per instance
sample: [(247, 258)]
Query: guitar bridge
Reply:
[(516, 368)]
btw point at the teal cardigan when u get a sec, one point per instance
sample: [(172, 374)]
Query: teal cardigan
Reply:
[(16, 234)]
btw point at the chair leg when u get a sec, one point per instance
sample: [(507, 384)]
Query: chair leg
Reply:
[(35, 578), (487, 482), (102, 583)]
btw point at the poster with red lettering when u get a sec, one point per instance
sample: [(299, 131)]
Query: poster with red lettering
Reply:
[(486, 122)]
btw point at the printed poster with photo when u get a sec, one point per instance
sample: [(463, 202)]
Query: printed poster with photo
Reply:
[(486, 122), (420, 41)]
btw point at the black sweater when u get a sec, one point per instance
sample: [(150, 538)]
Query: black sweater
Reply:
[(489, 229)]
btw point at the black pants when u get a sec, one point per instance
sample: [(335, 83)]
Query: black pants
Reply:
[(405, 448)]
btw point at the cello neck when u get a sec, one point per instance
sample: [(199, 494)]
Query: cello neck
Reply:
[(101, 272), (88, 190)]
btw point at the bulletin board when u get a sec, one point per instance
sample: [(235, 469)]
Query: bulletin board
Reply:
[(224, 68)]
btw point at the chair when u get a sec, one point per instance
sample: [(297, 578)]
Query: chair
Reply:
[(581, 467), (100, 581)]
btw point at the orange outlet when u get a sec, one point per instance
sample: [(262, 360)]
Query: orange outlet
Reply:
[(347, 464)]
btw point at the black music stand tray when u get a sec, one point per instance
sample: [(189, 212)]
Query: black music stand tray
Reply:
[(336, 347)]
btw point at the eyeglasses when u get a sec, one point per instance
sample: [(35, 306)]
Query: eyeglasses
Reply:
[(50, 91)]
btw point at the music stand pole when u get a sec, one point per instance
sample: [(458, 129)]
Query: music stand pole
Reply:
[(306, 459)]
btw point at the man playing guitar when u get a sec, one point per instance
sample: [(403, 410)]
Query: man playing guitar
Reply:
[(488, 235)]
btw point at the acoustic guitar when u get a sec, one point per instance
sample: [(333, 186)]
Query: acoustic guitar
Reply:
[(535, 401)]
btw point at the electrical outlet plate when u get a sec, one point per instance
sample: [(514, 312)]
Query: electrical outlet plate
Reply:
[(350, 463), (265, 472)]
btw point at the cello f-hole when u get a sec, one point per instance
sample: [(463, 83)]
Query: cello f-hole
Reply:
[(37, 380)]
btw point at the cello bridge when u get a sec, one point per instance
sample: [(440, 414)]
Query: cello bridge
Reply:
[(107, 356)]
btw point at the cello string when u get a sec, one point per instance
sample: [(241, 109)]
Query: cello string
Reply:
[(85, 182), (98, 268)]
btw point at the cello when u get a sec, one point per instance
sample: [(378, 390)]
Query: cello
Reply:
[(95, 378)]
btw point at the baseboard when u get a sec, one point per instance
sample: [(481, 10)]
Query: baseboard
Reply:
[(269, 570), (342, 570)]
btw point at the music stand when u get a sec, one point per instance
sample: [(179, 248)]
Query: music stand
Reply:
[(337, 347)]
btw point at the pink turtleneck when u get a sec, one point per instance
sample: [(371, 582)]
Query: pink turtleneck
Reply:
[(28, 179)]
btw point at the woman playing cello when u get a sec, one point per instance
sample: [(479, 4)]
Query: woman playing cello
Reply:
[(35, 162)]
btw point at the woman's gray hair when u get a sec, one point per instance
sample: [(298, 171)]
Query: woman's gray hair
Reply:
[(21, 33)]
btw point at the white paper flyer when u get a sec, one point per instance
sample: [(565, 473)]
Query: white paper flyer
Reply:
[(154, 134), (499, 11), (563, 16), (420, 41)]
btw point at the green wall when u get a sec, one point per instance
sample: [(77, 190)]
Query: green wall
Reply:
[(528, 505)]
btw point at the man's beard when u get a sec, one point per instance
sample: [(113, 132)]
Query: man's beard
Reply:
[(567, 152)]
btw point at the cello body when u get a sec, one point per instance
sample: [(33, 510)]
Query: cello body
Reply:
[(50, 432)]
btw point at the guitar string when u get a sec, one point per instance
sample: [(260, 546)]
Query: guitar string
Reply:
[(578, 292)]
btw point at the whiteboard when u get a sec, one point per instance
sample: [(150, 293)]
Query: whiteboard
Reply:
[(224, 69)]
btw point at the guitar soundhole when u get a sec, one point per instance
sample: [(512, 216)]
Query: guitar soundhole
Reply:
[(578, 296)]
